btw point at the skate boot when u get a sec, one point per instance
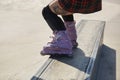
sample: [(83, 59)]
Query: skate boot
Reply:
[(70, 27), (60, 44)]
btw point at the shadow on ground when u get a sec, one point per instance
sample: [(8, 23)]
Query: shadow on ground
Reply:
[(107, 64)]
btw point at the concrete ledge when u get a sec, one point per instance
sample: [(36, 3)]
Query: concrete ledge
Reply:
[(83, 65)]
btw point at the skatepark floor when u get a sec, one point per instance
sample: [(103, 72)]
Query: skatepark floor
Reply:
[(23, 33)]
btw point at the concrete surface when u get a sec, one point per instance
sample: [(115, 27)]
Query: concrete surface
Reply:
[(23, 32), (20, 44)]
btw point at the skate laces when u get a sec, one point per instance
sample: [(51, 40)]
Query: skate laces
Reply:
[(54, 38), (58, 37)]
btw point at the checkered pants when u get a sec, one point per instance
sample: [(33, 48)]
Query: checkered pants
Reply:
[(81, 6)]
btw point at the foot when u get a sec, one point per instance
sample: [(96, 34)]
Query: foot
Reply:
[(71, 31), (60, 44)]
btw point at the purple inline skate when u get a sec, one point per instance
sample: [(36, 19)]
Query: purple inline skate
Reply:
[(70, 27), (61, 45)]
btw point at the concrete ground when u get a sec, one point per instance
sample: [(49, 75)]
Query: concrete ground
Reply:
[(23, 32)]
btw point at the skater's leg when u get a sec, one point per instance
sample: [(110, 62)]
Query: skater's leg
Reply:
[(50, 14), (67, 18), (61, 43), (52, 19), (69, 21)]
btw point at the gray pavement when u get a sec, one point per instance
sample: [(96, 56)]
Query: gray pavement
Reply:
[(109, 68), (20, 43), (23, 32)]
